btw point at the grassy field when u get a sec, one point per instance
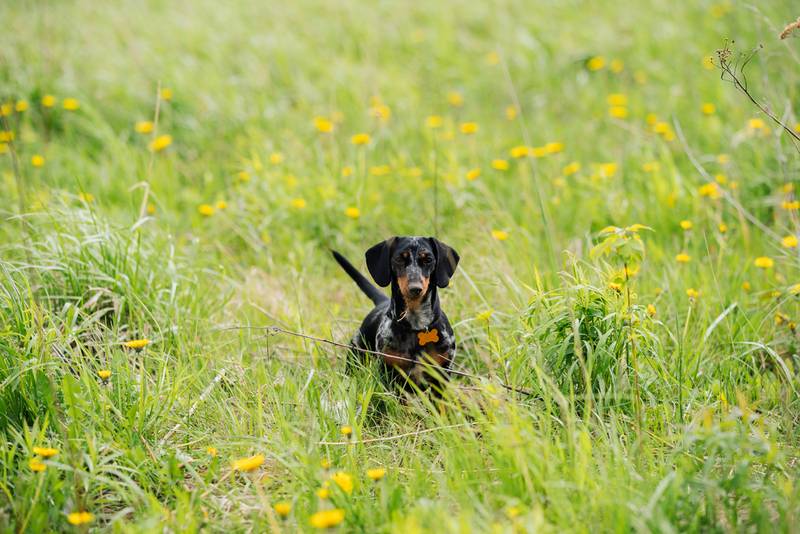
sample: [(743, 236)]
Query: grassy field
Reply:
[(173, 175)]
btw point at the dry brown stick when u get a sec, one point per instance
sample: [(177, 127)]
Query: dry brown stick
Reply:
[(279, 330), (726, 67)]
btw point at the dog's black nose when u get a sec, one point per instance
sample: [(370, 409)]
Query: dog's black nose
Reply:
[(415, 291)]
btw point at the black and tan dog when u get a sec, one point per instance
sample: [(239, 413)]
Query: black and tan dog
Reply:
[(409, 328)]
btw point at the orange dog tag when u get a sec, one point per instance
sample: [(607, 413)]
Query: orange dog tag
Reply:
[(428, 337)]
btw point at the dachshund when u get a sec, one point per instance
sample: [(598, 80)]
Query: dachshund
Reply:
[(409, 328)]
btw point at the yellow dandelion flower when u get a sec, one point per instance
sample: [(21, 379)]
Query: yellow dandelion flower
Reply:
[(790, 241), (243, 176), (298, 203), (571, 169), (344, 481), (793, 205), (347, 430), (500, 164), (37, 160), (6, 109), (746, 285), (692, 293), (325, 463), (455, 99), (596, 63), (708, 108), (485, 315), (683, 258), (212, 451), (756, 124), (21, 106), (323, 125), (380, 170), (104, 374), (651, 119), (327, 518), (615, 286), (206, 210), (434, 121), (36, 465), (554, 147), (764, 262), (651, 310), (6, 136), (618, 112), (144, 127), (616, 66), (276, 158), (347, 171), (360, 139), (708, 63), (651, 166), (473, 174), (795, 289), (617, 99), (710, 190), (723, 159), (686, 224), (721, 179), (500, 235), (511, 112), (166, 94), (468, 128), (376, 473), (492, 58), (323, 493), (519, 152), (608, 170), (160, 143), (382, 112), (248, 464), (787, 188), (722, 227), (45, 452), (283, 508), (538, 151), (71, 104), (662, 127), (137, 343), (80, 518), (352, 212), (86, 197), (221, 205), (48, 101)]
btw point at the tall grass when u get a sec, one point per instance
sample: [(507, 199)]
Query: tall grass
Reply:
[(662, 400)]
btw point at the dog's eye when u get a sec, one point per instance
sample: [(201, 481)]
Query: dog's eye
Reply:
[(426, 260)]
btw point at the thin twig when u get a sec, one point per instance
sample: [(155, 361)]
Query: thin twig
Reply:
[(395, 436), (729, 69), (279, 330)]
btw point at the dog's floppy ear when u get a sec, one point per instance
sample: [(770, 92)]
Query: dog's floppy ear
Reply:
[(379, 260), (446, 262)]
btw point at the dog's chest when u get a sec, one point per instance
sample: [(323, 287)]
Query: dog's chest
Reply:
[(420, 318)]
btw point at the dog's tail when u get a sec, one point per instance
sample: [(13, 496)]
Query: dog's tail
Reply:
[(375, 294)]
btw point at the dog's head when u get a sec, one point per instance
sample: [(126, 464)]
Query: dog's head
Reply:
[(414, 262)]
